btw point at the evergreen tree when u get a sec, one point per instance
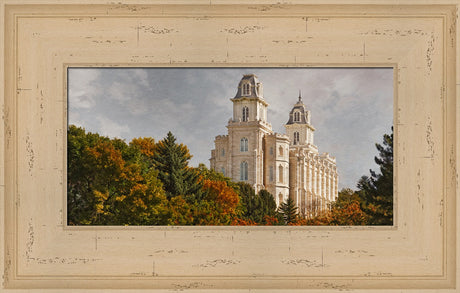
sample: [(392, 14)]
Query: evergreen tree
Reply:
[(376, 191), (267, 205), (171, 160), (256, 207), (288, 211)]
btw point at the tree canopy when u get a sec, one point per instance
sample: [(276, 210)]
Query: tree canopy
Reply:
[(143, 182)]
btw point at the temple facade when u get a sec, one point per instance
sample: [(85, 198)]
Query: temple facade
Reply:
[(286, 165)]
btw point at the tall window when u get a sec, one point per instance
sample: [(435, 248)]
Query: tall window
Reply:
[(281, 151), (244, 171), (222, 170), (270, 174), (245, 113), (244, 144), (296, 116), (246, 89), (296, 137), (222, 153), (281, 175)]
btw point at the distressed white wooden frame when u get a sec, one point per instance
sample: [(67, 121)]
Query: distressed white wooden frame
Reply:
[(40, 41)]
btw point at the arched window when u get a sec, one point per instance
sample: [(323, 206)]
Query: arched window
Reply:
[(281, 151), (222, 153), (246, 89), (244, 144), (296, 116), (244, 171), (281, 175), (296, 137), (222, 170), (270, 174), (245, 113)]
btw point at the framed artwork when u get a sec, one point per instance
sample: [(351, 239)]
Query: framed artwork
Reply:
[(127, 124), (42, 40)]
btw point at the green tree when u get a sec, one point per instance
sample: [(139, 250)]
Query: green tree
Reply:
[(255, 207), (288, 211), (267, 206), (376, 191), (171, 160)]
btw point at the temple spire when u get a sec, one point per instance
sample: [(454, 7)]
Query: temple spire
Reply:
[(300, 96)]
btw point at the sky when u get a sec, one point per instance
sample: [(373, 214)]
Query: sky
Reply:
[(351, 108)]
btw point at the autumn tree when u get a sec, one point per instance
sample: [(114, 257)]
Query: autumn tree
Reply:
[(222, 194), (145, 148), (171, 160), (108, 186), (345, 211), (376, 191), (81, 175)]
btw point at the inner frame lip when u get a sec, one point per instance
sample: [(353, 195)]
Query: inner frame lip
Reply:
[(195, 228)]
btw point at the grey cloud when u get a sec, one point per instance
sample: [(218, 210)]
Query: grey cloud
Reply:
[(351, 108)]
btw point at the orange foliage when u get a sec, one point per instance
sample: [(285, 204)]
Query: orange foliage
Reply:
[(241, 222), (270, 221), (107, 158), (351, 214), (347, 215), (223, 194), (299, 222), (145, 144)]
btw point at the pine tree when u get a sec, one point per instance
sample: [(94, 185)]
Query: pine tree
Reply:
[(256, 207), (171, 160), (288, 211), (267, 205), (376, 191)]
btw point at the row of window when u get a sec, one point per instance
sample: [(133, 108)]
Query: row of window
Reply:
[(280, 151), (244, 145), (244, 172), (280, 172)]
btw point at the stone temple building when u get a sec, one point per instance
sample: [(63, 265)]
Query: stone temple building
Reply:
[(286, 165)]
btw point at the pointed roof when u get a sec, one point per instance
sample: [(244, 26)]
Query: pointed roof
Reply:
[(299, 106), (253, 80)]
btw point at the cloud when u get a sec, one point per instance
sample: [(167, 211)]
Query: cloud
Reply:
[(111, 128), (83, 87), (351, 108)]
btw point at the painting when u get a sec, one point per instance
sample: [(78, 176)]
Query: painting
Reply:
[(238, 132), (43, 44)]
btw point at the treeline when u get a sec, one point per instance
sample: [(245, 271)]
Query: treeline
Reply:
[(143, 182)]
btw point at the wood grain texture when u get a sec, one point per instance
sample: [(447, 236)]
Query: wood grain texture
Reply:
[(40, 41)]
